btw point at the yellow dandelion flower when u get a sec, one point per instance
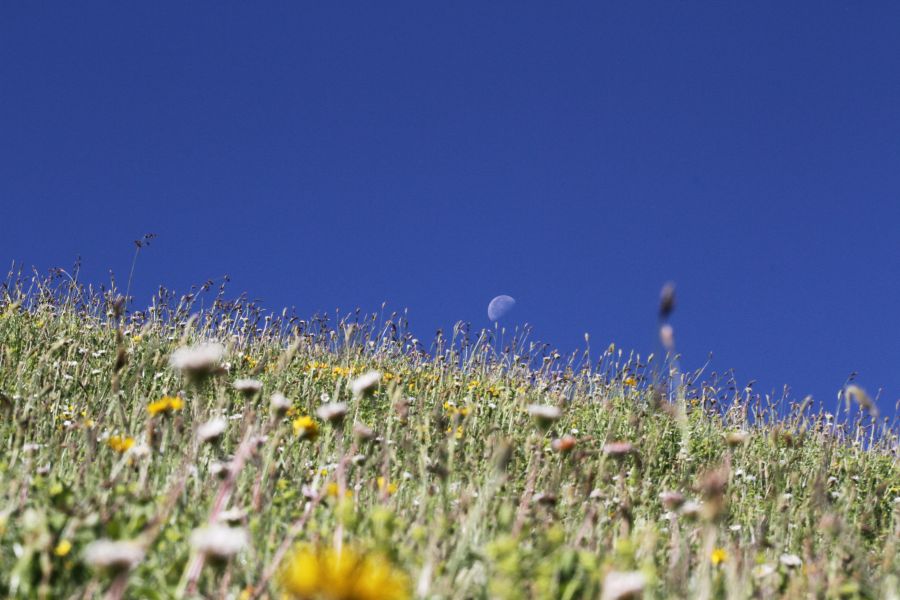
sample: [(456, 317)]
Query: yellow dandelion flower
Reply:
[(389, 487), (333, 490), (718, 556), (164, 405), (349, 575), (630, 381), (63, 548), (120, 444), (305, 428)]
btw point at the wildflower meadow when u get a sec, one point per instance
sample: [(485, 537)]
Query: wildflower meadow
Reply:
[(202, 447)]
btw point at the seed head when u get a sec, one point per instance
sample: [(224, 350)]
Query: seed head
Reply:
[(737, 438), (279, 404), (666, 300), (671, 500), (248, 387), (363, 432), (211, 430), (618, 449), (366, 383), (544, 414), (791, 561), (198, 361), (219, 541), (117, 555), (333, 412), (622, 585)]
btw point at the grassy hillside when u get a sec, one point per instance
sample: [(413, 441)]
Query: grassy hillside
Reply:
[(338, 460)]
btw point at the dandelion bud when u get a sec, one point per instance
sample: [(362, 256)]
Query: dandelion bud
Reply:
[(712, 485), (666, 300), (114, 555), (211, 430), (671, 500), (365, 384), (737, 438), (334, 413), (248, 387), (564, 445), (618, 449), (363, 432)]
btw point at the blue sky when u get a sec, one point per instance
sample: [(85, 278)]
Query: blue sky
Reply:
[(435, 155)]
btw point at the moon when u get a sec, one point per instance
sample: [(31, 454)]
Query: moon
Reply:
[(500, 306)]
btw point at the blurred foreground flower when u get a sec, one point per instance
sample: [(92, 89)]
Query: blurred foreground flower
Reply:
[(544, 415), (248, 387), (736, 438), (618, 449), (792, 561), (219, 542), (115, 555), (366, 383), (564, 444), (211, 430), (333, 412), (309, 574), (279, 403), (619, 585), (198, 361)]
